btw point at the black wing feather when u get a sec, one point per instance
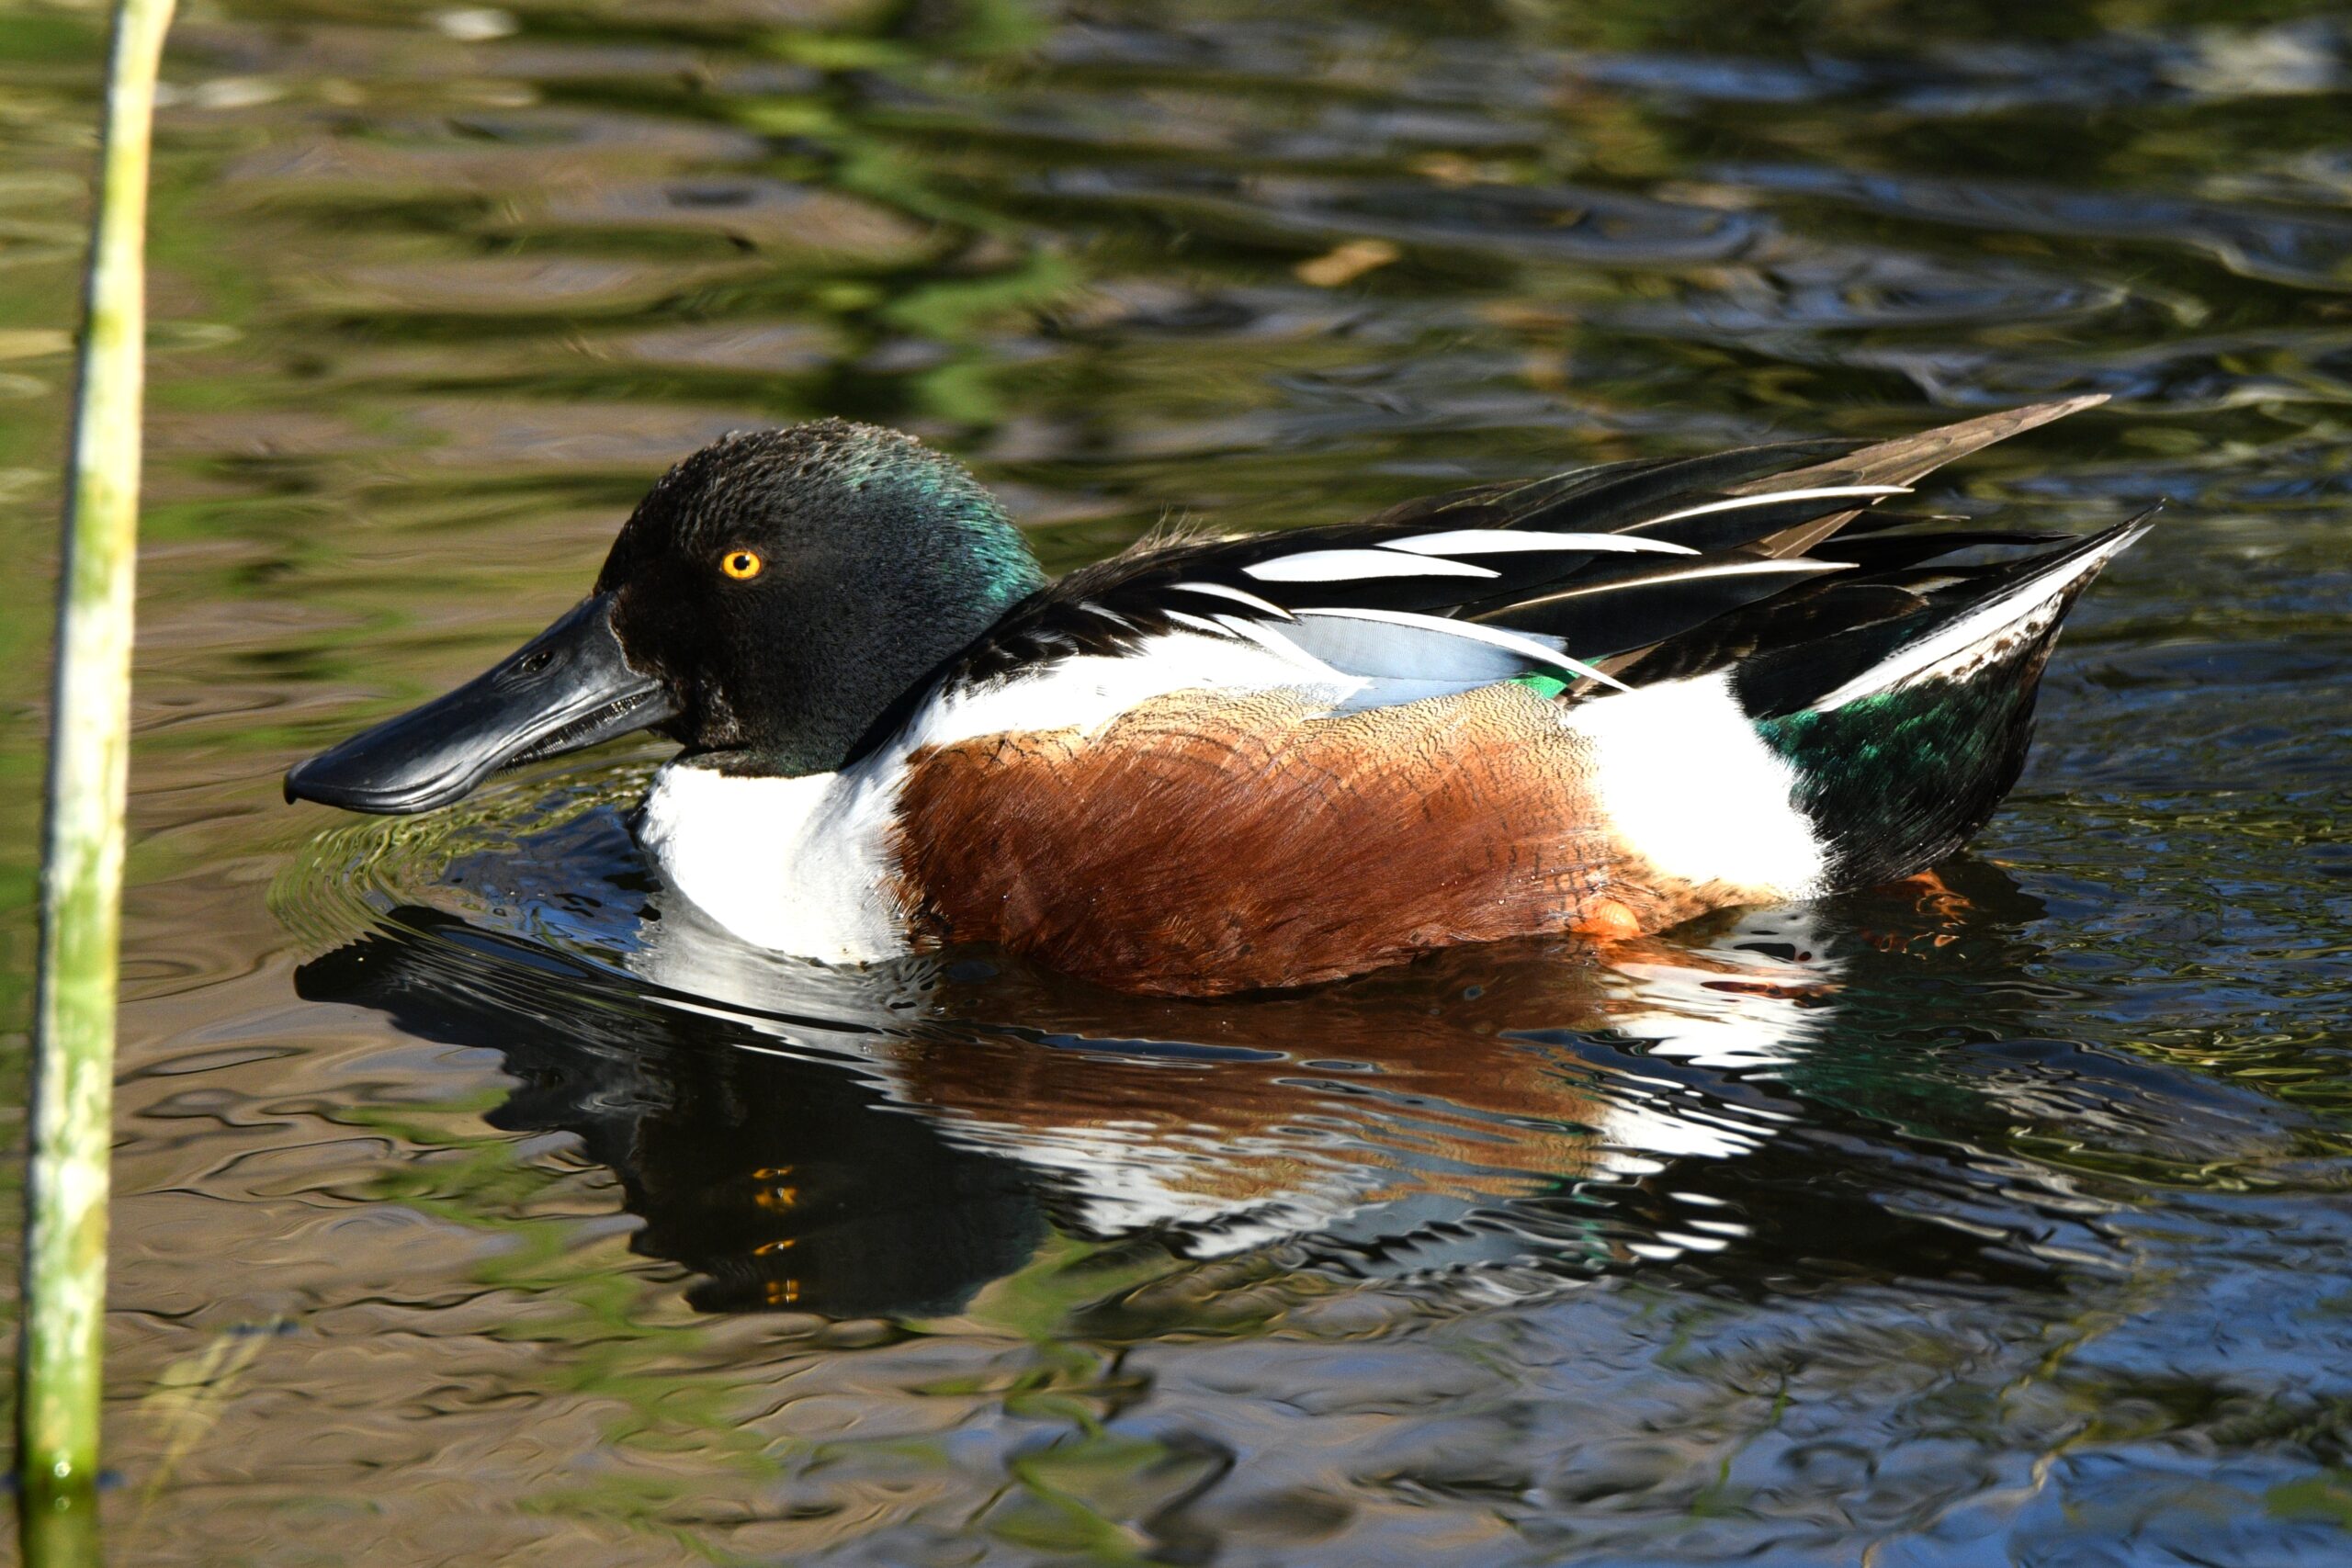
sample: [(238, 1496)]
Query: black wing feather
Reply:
[(1636, 612)]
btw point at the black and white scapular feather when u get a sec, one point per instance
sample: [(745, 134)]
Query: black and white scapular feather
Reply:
[(1783, 560)]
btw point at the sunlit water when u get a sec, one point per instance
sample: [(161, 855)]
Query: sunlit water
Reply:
[(477, 1205)]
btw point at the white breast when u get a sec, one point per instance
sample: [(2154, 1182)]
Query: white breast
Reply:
[(799, 866)]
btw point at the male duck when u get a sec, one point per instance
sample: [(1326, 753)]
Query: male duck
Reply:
[(1601, 701)]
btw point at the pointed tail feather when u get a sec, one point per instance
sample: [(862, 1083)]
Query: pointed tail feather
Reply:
[(1904, 461), (2027, 606)]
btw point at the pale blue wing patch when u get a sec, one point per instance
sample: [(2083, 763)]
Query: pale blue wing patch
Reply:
[(1383, 649), (1405, 658)]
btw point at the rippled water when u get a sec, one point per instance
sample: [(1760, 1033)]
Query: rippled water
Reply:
[(475, 1206)]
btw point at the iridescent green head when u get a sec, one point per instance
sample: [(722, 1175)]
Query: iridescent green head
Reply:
[(788, 586)]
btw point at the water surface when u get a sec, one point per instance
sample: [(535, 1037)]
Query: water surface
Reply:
[(475, 1205)]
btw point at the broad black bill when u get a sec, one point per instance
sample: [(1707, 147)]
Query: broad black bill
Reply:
[(569, 687)]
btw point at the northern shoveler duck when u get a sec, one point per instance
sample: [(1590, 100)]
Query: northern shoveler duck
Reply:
[(1601, 701)]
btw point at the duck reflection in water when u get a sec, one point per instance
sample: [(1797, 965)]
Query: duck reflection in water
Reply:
[(881, 1143)]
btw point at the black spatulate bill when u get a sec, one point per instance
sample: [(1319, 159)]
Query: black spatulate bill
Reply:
[(569, 687)]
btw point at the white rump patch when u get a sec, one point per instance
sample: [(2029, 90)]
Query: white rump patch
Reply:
[(1690, 784)]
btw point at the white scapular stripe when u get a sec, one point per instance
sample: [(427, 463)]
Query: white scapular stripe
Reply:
[(1238, 595), (1763, 566), (1824, 492), (1540, 654), (2026, 608), (1504, 541), (1198, 623), (1113, 616), (1348, 566)]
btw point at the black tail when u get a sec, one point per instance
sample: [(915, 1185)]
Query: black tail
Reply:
[(1908, 728)]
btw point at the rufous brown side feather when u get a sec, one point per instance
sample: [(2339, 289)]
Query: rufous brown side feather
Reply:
[(1211, 842)]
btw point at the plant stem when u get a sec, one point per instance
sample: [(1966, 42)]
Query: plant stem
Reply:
[(81, 849)]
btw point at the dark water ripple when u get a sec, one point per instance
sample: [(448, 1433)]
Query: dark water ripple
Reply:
[(2304, 250), (476, 1204)]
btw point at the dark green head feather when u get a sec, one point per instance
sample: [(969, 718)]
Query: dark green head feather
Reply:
[(877, 559)]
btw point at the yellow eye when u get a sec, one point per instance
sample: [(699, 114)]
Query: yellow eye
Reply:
[(740, 564)]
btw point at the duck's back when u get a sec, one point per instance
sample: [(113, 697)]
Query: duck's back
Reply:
[(1603, 701)]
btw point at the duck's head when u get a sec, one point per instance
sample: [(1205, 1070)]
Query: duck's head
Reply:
[(772, 598)]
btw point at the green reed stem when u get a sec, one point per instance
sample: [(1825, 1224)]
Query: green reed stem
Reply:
[(81, 849)]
